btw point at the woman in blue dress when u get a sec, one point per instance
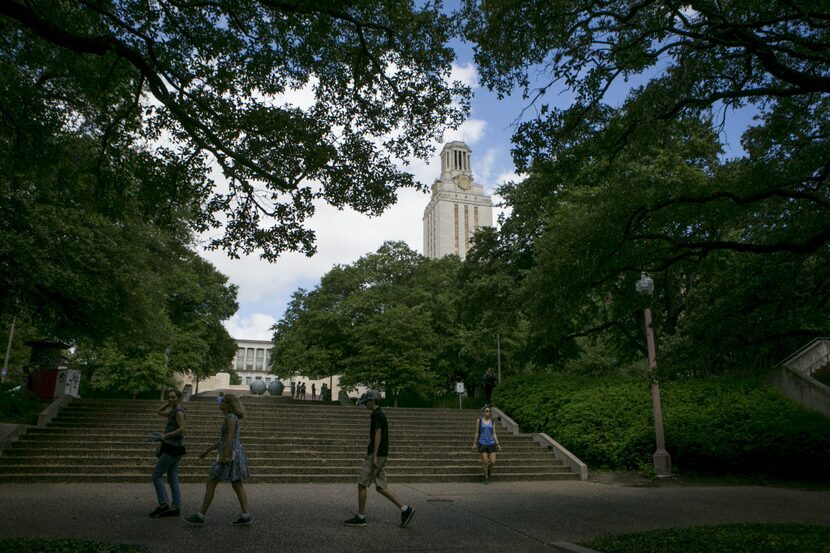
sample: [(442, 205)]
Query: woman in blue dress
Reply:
[(231, 463), (486, 441)]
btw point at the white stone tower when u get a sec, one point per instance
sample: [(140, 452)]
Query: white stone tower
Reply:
[(458, 206)]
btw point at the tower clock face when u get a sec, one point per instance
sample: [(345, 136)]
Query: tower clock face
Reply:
[(464, 182)]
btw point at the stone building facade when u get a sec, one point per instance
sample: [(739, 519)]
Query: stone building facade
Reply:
[(458, 206), (253, 359)]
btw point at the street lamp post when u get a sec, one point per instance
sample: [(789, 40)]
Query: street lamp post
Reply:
[(498, 354), (5, 372), (662, 459)]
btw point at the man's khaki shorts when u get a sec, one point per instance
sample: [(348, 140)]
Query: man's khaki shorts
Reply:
[(369, 473)]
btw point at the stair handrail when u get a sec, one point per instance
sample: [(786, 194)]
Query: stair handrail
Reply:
[(508, 423), (559, 451), (821, 361)]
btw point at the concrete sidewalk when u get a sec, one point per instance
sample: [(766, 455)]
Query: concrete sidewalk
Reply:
[(509, 516)]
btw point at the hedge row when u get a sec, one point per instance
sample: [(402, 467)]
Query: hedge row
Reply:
[(713, 426)]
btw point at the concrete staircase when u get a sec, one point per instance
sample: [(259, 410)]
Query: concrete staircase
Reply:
[(286, 441)]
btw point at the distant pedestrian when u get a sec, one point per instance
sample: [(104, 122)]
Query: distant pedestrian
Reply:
[(293, 390), (486, 441), (313, 390), (170, 452), (324, 392), (373, 468), (220, 397), (231, 463), (489, 382)]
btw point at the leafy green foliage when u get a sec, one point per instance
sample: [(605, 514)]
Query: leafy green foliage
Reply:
[(129, 127), (712, 426), (737, 538), (220, 84), (96, 253), (183, 332), (737, 246), (740, 426), (387, 321), (19, 407)]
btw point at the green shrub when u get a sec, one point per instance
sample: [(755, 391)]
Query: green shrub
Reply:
[(712, 426), (448, 400), (743, 426), (88, 391), (21, 407)]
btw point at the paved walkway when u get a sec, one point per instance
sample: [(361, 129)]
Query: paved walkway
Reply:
[(514, 516)]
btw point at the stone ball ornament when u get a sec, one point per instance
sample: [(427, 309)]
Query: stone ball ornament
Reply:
[(258, 387), (276, 387)]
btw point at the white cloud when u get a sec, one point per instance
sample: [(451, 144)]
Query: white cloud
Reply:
[(470, 132), (253, 327), (510, 176), (501, 211), (343, 236), (467, 74)]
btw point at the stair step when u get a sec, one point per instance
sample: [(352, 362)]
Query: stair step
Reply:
[(279, 478), (187, 460), (351, 467), (286, 441)]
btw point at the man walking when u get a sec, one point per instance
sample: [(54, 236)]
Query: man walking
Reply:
[(372, 469)]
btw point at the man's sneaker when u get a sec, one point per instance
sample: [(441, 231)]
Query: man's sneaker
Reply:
[(243, 521), (406, 516), (155, 513), (195, 519), (355, 521), (171, 512)]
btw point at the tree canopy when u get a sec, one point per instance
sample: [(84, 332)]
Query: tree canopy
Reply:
[(127, 128), (738, 246), (389, 321), (207, 84)]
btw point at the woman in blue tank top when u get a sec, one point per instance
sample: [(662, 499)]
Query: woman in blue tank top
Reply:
[(486, 441), (170, 453)]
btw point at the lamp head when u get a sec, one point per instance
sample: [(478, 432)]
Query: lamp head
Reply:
[(645, 285)]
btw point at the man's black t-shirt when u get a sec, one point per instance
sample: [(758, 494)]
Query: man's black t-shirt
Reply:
[(379, 421)]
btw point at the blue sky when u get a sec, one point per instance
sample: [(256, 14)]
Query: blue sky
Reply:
[(343, 236)]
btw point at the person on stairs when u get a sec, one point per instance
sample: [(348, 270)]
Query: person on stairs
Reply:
[(489, 382), (231, 463), (373, 468), (486, 441), (169, 454)]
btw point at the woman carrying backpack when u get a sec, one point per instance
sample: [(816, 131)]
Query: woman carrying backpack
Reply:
[(486, 441)]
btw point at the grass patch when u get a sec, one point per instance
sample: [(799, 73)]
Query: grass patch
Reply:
[(38, 545), (735, 538)]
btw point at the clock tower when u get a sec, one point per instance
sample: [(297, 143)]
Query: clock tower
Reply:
[(458, 206)]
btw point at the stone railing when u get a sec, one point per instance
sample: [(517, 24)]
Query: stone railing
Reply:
[(811, 358), (9, 433), (794, 379), (560, 452)]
